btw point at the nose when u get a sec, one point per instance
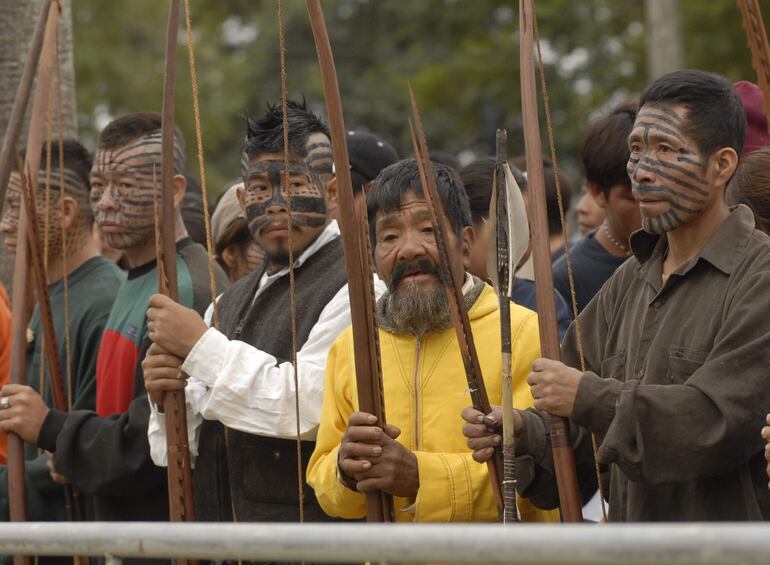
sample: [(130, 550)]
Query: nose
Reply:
[(107, 200), (412, 246), (640, 174)]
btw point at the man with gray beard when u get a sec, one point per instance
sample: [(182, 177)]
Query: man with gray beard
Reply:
[(421, 458)]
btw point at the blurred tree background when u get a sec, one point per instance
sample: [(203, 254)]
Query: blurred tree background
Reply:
[(460, 56)]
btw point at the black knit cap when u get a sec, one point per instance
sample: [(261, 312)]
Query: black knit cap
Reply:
[(368, 155)]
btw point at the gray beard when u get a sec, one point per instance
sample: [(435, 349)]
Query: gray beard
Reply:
[(412, 311)]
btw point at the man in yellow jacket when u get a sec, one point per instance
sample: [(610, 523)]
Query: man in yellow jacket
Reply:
[(422, 458)]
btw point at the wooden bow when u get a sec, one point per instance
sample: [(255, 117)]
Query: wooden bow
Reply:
[(756, 36), (180, 492), (355, 240), (450, 273), (563, 454), (16, 120)]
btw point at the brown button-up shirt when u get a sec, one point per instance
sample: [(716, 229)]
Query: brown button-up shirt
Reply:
[(677, 383)]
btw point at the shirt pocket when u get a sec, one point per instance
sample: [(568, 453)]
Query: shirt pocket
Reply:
[(614, 366), (682, 363)]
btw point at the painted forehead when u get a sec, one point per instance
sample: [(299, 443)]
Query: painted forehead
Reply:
[(71, 182), (319, 158), (136, 157), (659, 120)]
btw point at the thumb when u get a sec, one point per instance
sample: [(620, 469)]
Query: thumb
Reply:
[(392, 431)]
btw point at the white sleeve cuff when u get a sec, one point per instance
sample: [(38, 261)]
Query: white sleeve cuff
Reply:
[(207, 357)]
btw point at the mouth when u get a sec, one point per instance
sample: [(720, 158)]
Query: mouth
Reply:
[(108, 227), (276, 231)]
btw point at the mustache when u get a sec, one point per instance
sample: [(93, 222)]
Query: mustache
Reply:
[(402, 270)]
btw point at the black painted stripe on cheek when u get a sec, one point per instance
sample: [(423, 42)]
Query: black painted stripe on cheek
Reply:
[(672, 178), (686, 172)]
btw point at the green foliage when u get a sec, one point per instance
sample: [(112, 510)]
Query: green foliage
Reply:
[(461, 57)]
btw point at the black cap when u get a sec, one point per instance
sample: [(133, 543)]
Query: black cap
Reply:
[(368, 155)]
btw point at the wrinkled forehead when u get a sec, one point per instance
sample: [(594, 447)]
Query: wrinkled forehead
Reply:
[(411, 208)]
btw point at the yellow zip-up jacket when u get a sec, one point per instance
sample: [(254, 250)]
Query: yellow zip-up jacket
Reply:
[(425, 390)]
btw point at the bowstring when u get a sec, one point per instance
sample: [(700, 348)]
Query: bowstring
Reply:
[(292, 285), (64, 253), (567, 253), (206, 216)]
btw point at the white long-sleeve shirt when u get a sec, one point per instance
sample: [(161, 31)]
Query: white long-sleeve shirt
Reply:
[(248, 389)]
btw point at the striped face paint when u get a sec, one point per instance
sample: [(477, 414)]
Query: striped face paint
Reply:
[(123, 190), (666, 168), (74, 188), (266, 200)]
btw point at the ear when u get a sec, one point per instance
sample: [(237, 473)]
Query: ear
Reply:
[(331, 191), (70, 213), (597, 194), (468, 236), (180, 186), (725, 161), (229, 256), (241, 199)]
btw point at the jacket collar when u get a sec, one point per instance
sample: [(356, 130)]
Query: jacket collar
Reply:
[(722, 249)]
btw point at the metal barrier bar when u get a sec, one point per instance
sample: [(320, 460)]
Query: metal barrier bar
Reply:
[(524, 544)]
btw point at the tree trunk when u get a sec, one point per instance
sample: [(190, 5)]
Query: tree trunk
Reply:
[(17, 21), (665, 52)]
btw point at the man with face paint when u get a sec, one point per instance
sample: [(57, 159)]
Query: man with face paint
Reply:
[(79, 311), (677, 342), (104, 453), (420, 459), (241, 375)]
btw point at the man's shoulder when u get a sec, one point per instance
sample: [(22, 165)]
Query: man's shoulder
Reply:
[(755, 259)]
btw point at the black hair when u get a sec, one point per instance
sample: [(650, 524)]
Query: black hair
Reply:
[(604, 152), (715, 115), (130, 127), (396, 180), (477, 178), (76, 159), (551, 198), (265, 134)]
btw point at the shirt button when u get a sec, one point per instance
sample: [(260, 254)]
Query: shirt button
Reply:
[(639, 374), (656, 304), (276, 454)]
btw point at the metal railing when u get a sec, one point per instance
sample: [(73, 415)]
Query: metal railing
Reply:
[(524, 544)]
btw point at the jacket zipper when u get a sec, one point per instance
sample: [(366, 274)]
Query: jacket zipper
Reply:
[(415, 389)]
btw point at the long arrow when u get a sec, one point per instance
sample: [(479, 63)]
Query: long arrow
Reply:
[(451, 272), (379, 505), (180, 493), (563, 454)]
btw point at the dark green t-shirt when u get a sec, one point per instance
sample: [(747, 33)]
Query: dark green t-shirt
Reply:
[(91, 290)]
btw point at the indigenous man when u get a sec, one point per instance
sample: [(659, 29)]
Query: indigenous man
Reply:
[(604, 155), (80, 305), (418, 459), (477, 178), (677, 343), (105, 453), (234, 246), (241, 375)]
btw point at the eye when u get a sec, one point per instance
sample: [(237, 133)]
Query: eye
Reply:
[(297, 184), (635, 148), (664, 149), (427, 229)]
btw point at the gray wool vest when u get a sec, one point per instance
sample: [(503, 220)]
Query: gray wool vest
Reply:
[(256, 475)]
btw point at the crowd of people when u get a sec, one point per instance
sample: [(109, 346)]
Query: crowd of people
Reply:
[(667, 367)]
